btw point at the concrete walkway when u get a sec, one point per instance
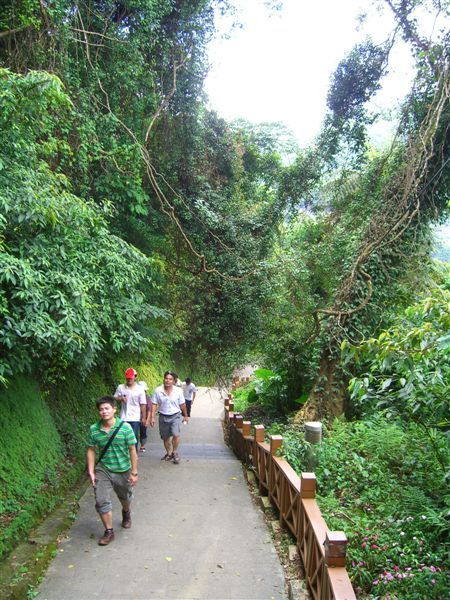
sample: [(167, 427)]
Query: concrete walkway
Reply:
[(196, 532)]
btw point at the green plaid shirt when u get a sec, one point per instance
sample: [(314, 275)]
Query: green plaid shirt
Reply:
[(117, 457)]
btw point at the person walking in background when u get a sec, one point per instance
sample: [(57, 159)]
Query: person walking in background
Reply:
[(169, 401), (116, 468), (133, 405), (143, 426), (189, 393)]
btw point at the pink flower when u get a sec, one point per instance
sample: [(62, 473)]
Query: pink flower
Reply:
[(361, 563), (433, 581), (374, 546), (396, 568), (363, 545), (376, 582)]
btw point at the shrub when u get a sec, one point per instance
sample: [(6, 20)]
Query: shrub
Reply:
[(379, 481)]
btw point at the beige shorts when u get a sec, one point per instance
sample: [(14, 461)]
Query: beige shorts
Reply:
[(105, 483)]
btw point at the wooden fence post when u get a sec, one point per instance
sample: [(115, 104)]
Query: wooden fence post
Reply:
[(248, 446), (259, 433), (258, 439), (308, 484), (335, 548), (276, 442)]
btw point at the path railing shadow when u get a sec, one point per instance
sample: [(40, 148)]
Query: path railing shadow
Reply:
[(323, 552)]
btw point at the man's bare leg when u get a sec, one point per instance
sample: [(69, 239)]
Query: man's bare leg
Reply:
[(168, 446), (176, 441), (107, 520)]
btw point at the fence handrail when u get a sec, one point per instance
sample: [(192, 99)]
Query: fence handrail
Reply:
[(323, 552)]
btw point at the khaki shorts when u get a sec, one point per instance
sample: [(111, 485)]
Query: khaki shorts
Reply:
[(105, 483), (169, 425)]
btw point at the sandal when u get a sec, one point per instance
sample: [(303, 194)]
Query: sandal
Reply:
[(142, 449), (167, 457), (175, 458)]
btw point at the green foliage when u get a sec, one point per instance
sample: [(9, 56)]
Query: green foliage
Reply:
[(295, 449), (68, 292), (353, 84), (405, 372), (356, 79), (228, 212), (33, 464), (268, 390), (379, 481), (36, 443), (244, 397)]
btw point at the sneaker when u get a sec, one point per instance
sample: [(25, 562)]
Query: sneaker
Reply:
[(126, 519), (175, 459), (142, 449), (106, 538), (167, 457)]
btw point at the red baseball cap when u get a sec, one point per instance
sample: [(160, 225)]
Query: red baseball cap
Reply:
[(130, 373)]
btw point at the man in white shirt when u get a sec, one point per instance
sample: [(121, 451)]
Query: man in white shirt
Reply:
[(189, 392), (132, 402), (169, 401)]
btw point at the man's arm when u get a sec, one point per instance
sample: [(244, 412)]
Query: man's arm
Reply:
[(184, 411), (182, 404), (134, 463), (120, 396), (143, 405), (154, 410), (90, 459)]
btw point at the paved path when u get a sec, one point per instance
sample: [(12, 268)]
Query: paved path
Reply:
[(196, 532)]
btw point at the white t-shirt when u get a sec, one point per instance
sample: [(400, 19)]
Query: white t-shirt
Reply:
[(168, 405), (131, 409), (188, 390)]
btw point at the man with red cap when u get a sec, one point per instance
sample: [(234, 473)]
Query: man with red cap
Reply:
[(132, 401)]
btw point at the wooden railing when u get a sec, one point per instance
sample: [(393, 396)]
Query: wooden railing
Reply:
[(323, 552)]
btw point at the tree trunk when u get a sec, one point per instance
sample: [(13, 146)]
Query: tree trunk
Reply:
[(327, 397)]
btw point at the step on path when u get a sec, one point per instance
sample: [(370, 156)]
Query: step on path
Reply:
[(196, 533)]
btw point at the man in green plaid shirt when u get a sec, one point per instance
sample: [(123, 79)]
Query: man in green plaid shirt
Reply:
[(116, 470)]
